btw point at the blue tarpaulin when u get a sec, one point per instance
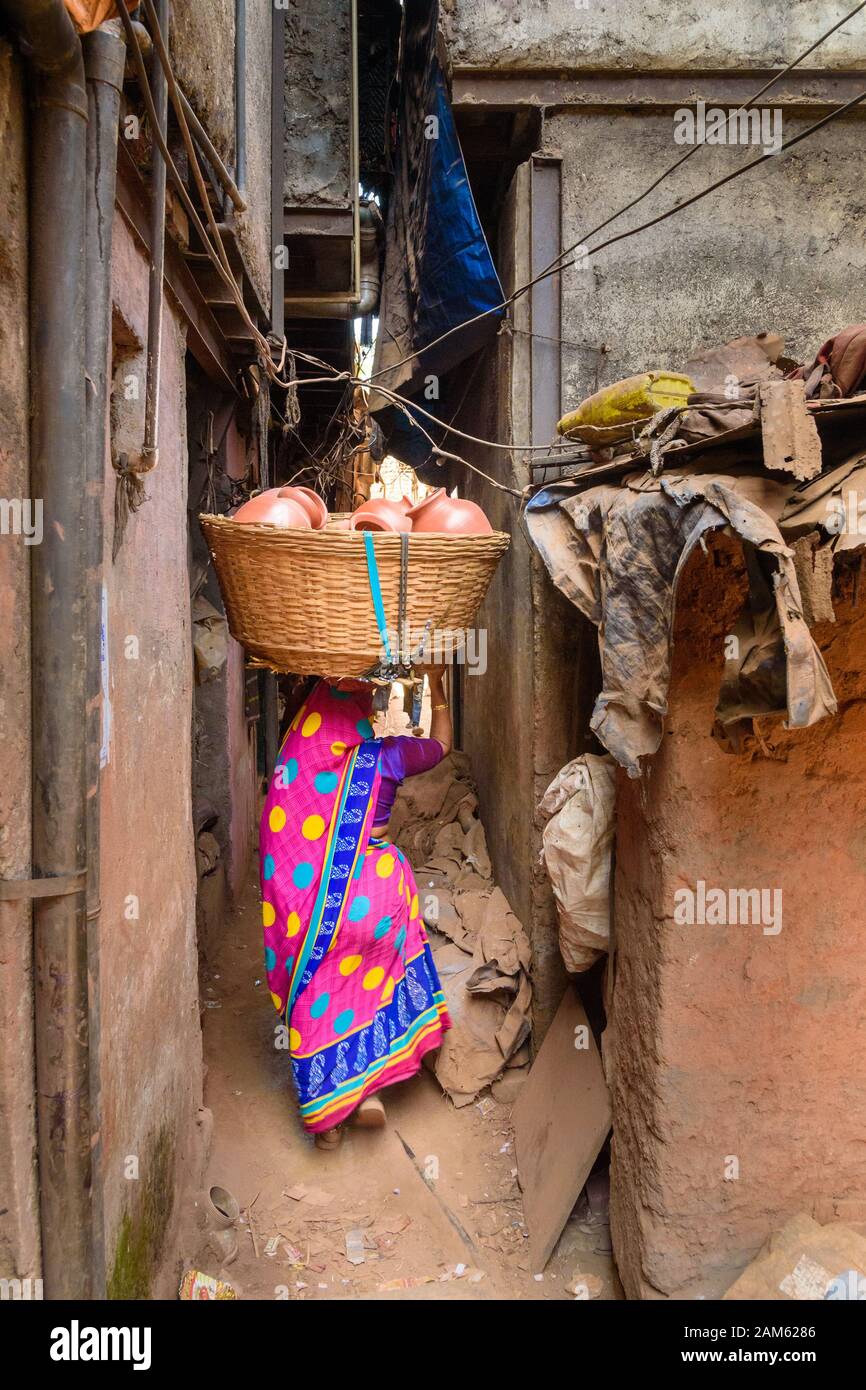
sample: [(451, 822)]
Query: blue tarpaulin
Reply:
[(438, 268)]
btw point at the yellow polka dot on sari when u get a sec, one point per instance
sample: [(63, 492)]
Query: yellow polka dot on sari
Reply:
[(338, 748), (293, 924), (277, 1002), (413, 907), (349, 964), (373, 977), (294, 1039), (269, 916), (313, 828), (388, 990), (277, 819), (311, 725), (385, 866)]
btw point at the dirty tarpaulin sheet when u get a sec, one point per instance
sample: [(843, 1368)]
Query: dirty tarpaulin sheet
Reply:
[(438, 270), (618, 552)]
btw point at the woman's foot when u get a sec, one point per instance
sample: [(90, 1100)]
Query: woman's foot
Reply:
[(370, 1114), (329, 1139)]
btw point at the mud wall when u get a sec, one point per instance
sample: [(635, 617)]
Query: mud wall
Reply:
[(19, 1233), (736, 1052), (151, 1041)]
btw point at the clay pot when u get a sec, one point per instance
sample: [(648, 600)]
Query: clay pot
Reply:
[(452, 516), (379, 514), (310, 501), (223, 1207), (270, 509)]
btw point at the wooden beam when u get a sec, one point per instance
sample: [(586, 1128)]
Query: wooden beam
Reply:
[(809, 91)]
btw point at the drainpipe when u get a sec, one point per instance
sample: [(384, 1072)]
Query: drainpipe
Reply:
[(104, 59), (57, 453), (241, 94), (367, 299), (159, 90)]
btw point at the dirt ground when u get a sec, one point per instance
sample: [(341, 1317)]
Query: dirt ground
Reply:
[(434, 1194)]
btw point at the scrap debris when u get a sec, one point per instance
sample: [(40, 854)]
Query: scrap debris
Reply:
[(768, 451), (806, 1261), (577, 844), (480, 948)]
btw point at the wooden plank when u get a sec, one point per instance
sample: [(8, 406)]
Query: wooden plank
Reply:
[(561, 1119)]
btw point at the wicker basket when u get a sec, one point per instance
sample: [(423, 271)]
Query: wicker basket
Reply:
[(300, 600)]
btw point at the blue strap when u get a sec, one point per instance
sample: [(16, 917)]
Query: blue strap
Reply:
[(376, 592)]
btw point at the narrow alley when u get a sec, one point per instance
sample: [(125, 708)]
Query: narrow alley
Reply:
[(432, 673), (434, 1195)]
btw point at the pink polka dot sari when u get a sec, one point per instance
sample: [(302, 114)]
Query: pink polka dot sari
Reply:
[(348, 962)]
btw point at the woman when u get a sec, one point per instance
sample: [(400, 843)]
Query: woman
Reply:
[(347, 958)]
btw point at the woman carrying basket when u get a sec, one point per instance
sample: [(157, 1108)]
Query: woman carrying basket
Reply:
[(348, 962)]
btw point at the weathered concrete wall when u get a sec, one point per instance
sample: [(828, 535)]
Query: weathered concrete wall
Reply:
[(519, 715), (498, 703), (203, 52), (19, 1231), (318, 77), (774, 249), (732, 1050), (242, 766), (151, 1041), (568, 34)]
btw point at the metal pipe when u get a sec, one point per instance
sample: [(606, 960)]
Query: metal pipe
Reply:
[(104, 58), (145, 44), (241, 93), (149, 456), (199, 133), (278, 138), (347, 307), (57, 460)]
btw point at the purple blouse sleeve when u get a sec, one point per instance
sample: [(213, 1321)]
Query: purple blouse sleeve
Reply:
[(405, 756)]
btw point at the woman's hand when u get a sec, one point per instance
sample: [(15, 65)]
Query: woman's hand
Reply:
[(440, 718), (435, 675)]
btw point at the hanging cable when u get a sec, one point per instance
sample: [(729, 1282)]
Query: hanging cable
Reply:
[(556, 265)]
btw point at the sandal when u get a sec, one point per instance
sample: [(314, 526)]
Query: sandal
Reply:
[(370, 1114), (329, 1139)]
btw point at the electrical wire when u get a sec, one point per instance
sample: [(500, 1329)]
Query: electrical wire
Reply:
[(556, 265), (217, 255)]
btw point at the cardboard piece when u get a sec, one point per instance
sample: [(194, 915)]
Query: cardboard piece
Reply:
[(805, 1261), (561, 1119)]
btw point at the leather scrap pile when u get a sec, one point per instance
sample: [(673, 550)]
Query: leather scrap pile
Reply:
[(772, 451), (481, 951)]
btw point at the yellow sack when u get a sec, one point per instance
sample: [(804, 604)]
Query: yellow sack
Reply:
[(610, 414)]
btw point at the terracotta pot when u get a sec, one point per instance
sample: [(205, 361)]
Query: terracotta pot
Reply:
[(379, 514), (270, 509), (311, 502), (453, 516), (425, 502)]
